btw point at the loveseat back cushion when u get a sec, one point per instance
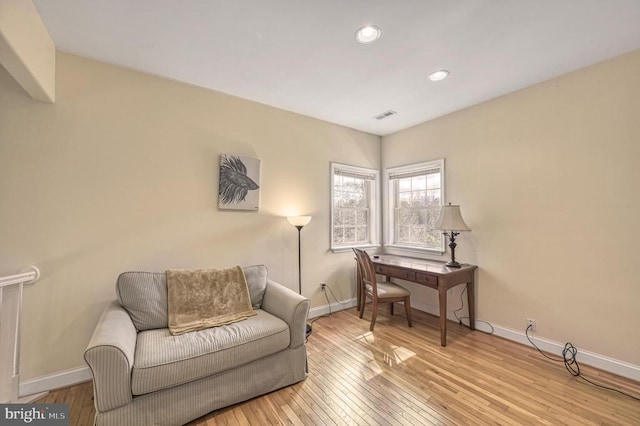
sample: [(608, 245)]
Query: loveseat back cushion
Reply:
[(144, 295), (163, 361), (257, 282)]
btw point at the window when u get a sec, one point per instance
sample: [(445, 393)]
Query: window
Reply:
[(416, 193), (354, 210)]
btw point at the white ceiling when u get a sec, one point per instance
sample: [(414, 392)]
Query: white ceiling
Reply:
[(301, 55)]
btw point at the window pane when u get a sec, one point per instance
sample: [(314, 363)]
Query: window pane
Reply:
[(432, 215), (403, 233), (358, 186), (433, 239), (418, 198), (362, 233), (433, 181), (361, 216), (337, 182), (418, 182), (337, 235), (358, 200), (337, 220), (349, 234), (403, 216), (418, 217), (433, 197), (418, 234), (349, 217), (404, 199), (404, 184)]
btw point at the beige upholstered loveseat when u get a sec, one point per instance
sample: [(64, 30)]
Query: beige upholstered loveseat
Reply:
[(143, 375)]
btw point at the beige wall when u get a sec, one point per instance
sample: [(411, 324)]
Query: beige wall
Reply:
[(548, 179), (121, 174)]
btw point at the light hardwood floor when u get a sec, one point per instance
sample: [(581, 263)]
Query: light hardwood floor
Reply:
[(402, 376)]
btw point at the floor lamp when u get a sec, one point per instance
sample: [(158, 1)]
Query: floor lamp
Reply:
[(300, 222)]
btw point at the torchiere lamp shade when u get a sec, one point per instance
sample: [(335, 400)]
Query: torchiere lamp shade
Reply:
[(299, 220)]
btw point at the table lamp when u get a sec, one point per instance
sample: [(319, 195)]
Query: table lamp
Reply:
[(451, 222)]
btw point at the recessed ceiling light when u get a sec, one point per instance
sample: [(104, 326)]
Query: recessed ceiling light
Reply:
[(368, 34), (438, 75)]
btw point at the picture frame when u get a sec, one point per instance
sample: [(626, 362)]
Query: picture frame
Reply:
[(239, 183)]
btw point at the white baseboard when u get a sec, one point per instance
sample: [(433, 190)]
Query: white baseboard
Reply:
[(82, 374), (52, 381), (32, 398), (335, 307), (601, 362)]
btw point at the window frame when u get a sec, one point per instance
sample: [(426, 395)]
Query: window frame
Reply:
[(390, 237), (374, 202)]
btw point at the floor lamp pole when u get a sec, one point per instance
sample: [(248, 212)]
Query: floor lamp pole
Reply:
[(299, 228), (299, 222)]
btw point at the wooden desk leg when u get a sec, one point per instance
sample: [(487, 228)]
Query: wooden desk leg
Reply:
[(443, 316), (471, 301)]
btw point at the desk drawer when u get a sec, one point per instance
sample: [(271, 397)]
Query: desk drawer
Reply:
[(426, 279), (396, 272)]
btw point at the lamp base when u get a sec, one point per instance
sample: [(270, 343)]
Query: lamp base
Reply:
[(309, 329), (453, 264)]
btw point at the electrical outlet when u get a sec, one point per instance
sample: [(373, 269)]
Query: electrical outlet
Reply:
[(323, 286), (531, 323)]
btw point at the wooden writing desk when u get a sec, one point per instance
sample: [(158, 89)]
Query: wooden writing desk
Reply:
[(429, 273)]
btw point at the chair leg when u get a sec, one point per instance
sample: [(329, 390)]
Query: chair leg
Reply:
[(363, 302), (374, 314), (407, 308), (391, 308)]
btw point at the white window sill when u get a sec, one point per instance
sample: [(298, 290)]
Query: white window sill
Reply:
[(344, 249), (411, 249)]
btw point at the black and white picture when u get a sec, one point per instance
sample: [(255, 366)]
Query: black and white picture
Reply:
[(239, 183)]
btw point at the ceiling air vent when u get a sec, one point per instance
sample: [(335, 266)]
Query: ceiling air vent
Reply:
[(385, 115)]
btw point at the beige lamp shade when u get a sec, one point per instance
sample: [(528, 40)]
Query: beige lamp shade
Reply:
[(299, 220), (451, 219)]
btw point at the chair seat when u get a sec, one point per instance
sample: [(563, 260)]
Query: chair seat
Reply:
[(388, 289)]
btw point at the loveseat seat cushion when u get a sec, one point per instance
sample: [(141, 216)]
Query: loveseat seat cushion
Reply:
[(162, 360), (144, 295)]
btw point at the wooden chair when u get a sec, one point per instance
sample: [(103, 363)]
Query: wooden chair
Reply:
[(379, 292)]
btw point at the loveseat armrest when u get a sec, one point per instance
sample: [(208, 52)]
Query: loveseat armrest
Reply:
[(110, 357), (290, 307)]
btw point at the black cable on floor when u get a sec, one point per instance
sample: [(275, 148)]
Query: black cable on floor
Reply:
[(569, 353), (328, 303), (455, 314)]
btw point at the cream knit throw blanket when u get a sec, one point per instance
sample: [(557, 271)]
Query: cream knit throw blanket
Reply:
[(204, 298)]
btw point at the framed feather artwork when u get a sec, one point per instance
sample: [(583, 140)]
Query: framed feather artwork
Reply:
[(239, 187)]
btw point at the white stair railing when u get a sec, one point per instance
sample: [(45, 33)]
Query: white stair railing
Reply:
[(11, 288)]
